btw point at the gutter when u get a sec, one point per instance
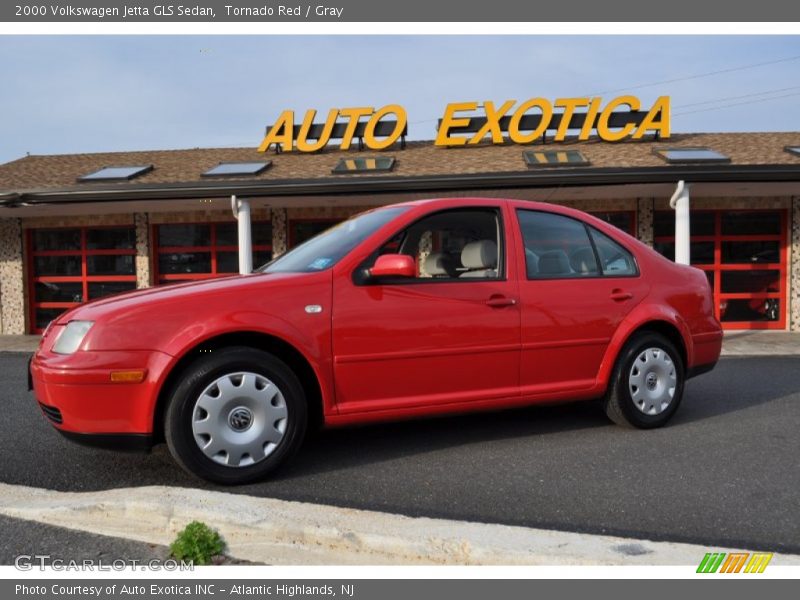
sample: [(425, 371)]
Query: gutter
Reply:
[(426, 183)]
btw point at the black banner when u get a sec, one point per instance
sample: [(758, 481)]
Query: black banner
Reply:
[(338, 11), (381, 589)]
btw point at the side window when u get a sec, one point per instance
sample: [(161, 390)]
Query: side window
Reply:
[(556, 246), (453, 244), (614, 259)]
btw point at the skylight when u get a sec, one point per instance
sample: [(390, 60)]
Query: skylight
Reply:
[(363, 165), (237, 168), (793, 150), (554, 158), (116, 173), (692, 155)]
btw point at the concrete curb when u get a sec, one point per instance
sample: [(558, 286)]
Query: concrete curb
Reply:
[(272, 531)]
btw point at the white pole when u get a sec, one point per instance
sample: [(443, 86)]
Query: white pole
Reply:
[(680, 202), (241, 211)]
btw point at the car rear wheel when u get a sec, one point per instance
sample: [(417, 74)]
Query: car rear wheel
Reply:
[(235, 415), (647, 384)]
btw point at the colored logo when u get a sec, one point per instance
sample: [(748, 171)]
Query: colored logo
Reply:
[(735, 562)]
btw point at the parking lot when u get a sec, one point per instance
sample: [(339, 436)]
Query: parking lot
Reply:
[(724, 473)]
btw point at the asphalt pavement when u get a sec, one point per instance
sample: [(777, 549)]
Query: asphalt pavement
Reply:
[(725, 472), (35, 544)]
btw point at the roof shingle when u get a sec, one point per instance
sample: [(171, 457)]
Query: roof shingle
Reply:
[(53, 172)]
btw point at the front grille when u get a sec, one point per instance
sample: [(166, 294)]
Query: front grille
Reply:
[(52, 413)]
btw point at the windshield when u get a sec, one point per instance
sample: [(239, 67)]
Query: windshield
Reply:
[(330, 246)]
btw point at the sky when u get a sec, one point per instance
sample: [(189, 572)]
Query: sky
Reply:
[(76, 94)]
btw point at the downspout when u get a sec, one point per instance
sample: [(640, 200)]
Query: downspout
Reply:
[(241, 212), (680, 203)]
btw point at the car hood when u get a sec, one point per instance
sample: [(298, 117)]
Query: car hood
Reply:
[(173, 294), (171, 317)]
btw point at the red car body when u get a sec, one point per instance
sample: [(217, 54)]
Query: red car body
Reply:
[(379, 352)]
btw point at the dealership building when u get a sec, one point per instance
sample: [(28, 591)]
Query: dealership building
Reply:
[(82, 226)]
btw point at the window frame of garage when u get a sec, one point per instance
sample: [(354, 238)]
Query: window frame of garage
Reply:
[(213, 249), (85, 279), (717, 267)]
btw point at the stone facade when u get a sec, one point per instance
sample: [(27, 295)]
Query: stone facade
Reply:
[(745, 203), (794, 278), (204, 216), (12, 280), (644, 220), (142, 250), (279, 232)]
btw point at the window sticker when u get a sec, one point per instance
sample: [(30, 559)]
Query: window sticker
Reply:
[(320, 263)]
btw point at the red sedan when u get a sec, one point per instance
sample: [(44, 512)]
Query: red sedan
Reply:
[(424, 308)]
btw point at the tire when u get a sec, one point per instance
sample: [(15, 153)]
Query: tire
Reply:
[(646, 386), (245, 406)]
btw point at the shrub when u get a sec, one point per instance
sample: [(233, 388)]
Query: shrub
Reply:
[(197, 543)]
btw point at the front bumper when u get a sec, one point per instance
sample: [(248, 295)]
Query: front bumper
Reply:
[(76, 394)]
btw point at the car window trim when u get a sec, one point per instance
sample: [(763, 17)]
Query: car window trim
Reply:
[(360, 279), (588, 228)]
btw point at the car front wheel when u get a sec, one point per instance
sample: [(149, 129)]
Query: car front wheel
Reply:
[(235, 415), (647, 384)]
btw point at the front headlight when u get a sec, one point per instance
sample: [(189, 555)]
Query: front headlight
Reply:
[(71, 336)]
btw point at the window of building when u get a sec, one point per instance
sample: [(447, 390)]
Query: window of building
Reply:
[(743, 254), (621, 219), (230, 169), (555, 158), (70, 266), (189, 251), (692, 155), (301, 230), (364, 164), (117, 173)]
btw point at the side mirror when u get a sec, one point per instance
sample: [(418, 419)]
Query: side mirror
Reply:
[(394, 265)]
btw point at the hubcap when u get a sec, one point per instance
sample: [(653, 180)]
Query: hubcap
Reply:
[(239, 419), (652, 381)]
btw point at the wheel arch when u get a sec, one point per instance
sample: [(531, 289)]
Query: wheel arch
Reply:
[(296, 360), (672, 329)]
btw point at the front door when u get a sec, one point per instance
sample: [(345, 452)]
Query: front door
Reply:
[(449, 335)]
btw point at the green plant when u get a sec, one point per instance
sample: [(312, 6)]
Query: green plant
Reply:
[(197, 543)]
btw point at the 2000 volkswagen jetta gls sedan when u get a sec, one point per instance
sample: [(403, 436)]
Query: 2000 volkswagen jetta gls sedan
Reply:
[(416, 309)]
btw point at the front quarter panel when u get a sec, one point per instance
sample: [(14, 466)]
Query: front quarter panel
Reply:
[(175, 325)]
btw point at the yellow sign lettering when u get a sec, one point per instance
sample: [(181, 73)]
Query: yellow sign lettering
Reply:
[(449, 121), (400, 124), (458, 127), (547, 114), (603, 130)]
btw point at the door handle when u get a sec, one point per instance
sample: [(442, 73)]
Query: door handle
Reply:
[(619, 295), (500, 301)]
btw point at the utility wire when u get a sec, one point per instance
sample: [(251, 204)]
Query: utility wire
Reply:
[(689, 112), (700, 75), (729, 98)]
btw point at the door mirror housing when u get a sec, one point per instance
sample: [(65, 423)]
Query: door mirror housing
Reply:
[(393, 265)]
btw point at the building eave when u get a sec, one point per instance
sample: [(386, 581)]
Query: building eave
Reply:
[(397, 183)]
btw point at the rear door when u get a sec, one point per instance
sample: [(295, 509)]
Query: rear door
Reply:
[(577, 287)]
